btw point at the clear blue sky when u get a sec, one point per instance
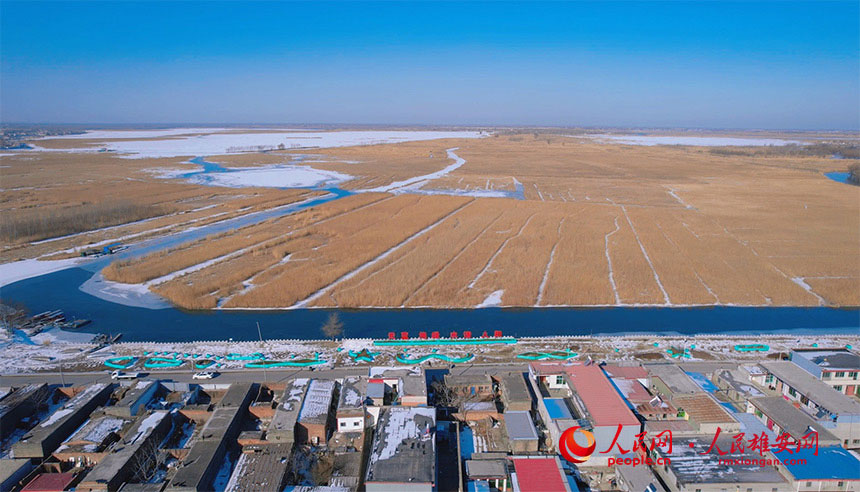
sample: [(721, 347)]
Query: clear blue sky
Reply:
[(709, 64)]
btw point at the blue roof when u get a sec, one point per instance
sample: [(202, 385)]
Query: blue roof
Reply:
[(831, 463), (703, 381), (557, 408)]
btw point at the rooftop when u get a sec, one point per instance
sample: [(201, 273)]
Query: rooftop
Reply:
[(557, 408), (703, 409), (97, 430), (49, 482), (486, 469), (632, 390), (625, 372), (413, 381), (467, 379), (678, 381), (831, 463), (236, 395), (540, 474), (10, 401), (739, 380), (817, 391), (830, 360), (514, 386), (520, 426), (317, 402), (140, 389), (260, 471), (693, 464), (603, 403), (790, 419), (403, 446), (287, 412), (352, 392)]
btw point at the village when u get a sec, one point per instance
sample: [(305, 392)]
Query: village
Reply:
[(426, 413)]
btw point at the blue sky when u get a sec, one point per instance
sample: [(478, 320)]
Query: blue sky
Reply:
[(671, 64)]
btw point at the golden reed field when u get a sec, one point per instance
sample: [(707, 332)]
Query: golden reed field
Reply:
[(599, 225)]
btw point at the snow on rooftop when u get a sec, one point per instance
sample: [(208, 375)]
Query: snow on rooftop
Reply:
[(96, 431), (399, 426), (147, 425), (70, 405), (317, 400)]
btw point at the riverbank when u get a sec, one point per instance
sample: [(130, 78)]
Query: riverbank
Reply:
[(54, 354)]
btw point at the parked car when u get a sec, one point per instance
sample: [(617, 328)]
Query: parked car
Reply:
[(124, 375), (204, 375)]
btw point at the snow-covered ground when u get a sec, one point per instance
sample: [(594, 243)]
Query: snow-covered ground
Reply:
[(695, 141), (413, 184), (124, 134), (272, 177), (177, 142)]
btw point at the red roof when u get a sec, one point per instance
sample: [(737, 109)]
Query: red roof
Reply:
[(595, 390), (540, 475), (626, 372), (49, 482)]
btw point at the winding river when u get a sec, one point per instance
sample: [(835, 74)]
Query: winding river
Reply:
[(80, 293)]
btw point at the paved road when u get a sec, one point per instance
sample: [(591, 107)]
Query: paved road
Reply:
[(239, 375)]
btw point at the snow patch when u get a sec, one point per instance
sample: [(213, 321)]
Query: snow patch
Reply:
[(492, 300)]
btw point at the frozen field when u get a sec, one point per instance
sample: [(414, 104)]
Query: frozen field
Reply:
[(272, 177), (181, 142), (693, 141)]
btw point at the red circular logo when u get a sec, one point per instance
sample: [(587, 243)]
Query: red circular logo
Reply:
[(573, 451)]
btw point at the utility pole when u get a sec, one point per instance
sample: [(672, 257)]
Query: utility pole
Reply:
[(265, 373)]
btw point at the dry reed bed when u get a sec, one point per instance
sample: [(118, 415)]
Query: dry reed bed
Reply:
[(580, 272), (354, 241), (450, 286), (413, 265), (211, 247)]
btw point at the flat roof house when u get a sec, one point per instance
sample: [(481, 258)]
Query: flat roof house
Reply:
[(780, 416), (832, 468), (316, 417), (43, 439), (596, 403), (522, 434), (839, 368), (838, 413), (539, 474), (403, 451), (692, 468)]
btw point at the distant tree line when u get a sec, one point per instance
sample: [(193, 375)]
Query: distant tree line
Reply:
[(41, 223), (842, 150)]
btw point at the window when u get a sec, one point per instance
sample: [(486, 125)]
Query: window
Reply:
[(343, 424), (825, 375), (840, 484), (856, 441), (356, 423), (809, 484), (768, 378), (852, 375), (792, 392), (838, 387), (840, 374), (749, 490), (698, 490), (559, 380)]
